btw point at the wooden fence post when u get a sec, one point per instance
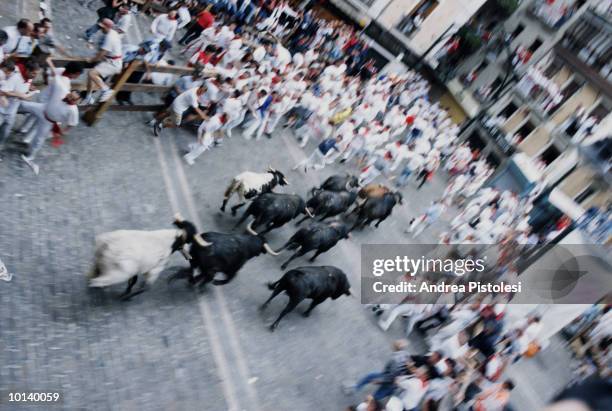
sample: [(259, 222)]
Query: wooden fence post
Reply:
[(93, 115)]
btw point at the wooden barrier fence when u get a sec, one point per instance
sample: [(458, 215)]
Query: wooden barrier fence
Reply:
[(93, 113)]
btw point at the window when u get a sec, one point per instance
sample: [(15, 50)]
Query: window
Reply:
[(586, 193), (493, 160), (525, 130), (476, 142), (600, 111), (518, 30), (496, 83), (509, 110), (568, 91), (550, 154), (481, 67), (535, 45), (413, 20), (553, 68)]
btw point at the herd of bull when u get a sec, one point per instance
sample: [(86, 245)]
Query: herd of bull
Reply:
[(125, 254)]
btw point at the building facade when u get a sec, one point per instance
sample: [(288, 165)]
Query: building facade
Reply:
[(552, 127), (497, 46), (409, 27)]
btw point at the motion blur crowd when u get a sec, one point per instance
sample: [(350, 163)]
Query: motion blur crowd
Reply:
[(258, 64)]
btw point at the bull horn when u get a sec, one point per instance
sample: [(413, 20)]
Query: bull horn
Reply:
[(178, 217), (309, 212), (269, 250), (270, 168), (198, 239), (249, 228)]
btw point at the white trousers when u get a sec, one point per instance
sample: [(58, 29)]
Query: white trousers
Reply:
[(198, 148), (257, 125), (316, 160), (42, 127)]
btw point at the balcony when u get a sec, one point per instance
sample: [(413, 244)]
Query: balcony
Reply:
[(553, 13), (497, 134), (538, 92)]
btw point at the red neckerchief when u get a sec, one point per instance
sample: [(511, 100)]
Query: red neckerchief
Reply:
[(22, 71)]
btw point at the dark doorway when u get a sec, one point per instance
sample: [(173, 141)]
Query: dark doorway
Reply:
[(550, 154)]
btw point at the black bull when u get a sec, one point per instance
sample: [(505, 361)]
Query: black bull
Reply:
[(273, 210), (317, 236), (325, 204), (316, 283), (213, 253)]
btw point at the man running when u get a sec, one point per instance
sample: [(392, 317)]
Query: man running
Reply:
[(180, 105)]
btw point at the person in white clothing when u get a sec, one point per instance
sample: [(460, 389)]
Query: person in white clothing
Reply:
[(235, 120), (184, 17), (57, 116), (18, 37), (16, 89), (123, 20), (208, 131), (413, 389), (181, 103), (164, 26), (109, 58), (58, 87), (232, 108)]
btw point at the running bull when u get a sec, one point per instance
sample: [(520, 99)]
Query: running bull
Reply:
[(317, 236), (337, 183), (316, 283), (273, 210), (325, 204), (249, 185), (376, 209), (213, 252)]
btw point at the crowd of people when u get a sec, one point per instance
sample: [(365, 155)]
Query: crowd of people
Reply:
[(258, 65)]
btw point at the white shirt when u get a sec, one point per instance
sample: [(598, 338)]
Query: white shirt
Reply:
[(163, 28), (183, 16), (61, 112), (163, 79), (232, 107), (451, 348), (185, 100), (14, 82), (13, 36), (414, 391), (211, 125), (259, 54), (124, 23), (224, 37), (59, 86), (112, 45)]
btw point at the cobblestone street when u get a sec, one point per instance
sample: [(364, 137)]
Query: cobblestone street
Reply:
[(170, 348)]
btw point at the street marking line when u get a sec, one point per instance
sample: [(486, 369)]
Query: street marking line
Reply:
[(216, 347), (226, 317), (217, 350)]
